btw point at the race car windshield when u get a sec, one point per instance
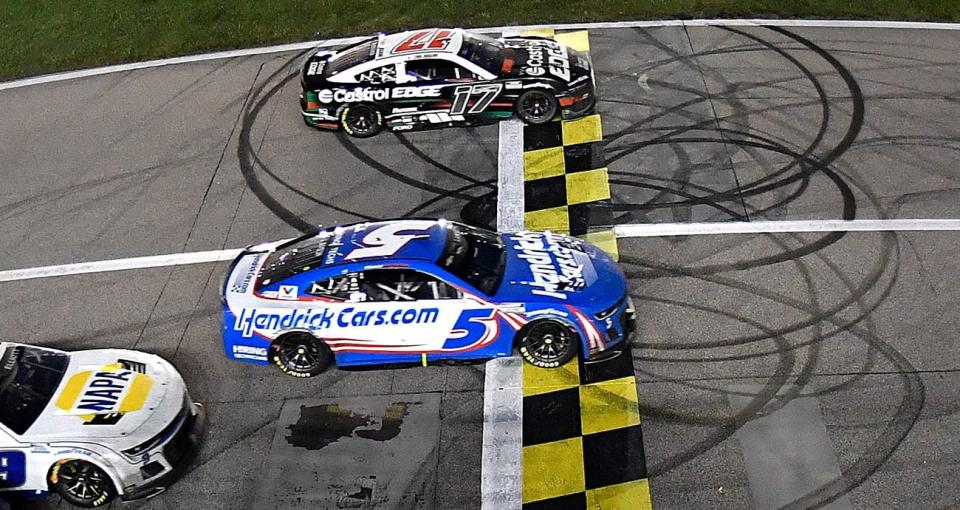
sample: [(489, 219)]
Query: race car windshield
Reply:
[(475, 255), (349, 57), (28, 379), (295, 257), (483, 51)]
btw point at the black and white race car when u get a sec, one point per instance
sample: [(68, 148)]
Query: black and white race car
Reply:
[(443, 77)]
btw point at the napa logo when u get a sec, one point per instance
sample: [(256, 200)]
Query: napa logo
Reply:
[(107, 390)]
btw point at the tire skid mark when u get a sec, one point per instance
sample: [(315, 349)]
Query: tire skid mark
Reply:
[(796, 359)]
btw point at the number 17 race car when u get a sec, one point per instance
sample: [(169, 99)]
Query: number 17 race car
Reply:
[(443, 77), (419, 291)]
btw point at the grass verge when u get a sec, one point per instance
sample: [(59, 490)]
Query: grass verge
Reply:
[(42, 36)]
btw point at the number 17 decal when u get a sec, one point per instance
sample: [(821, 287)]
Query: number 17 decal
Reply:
[(461, 97)]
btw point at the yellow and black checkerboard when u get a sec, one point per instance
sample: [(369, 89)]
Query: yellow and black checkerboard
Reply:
[(566, 188), (582, 442)]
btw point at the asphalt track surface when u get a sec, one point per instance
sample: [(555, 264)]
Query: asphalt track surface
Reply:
[(700, 124)]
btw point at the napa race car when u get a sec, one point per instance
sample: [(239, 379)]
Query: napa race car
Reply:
[(92, 425), (443, 77), (422, 291)]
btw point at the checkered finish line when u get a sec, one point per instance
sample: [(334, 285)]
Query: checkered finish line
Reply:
[(582, 443), (566, 188)]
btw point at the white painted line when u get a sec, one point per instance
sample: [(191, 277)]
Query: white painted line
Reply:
[(501, 480), (299, 46), (510, 199), (501, 473), (772, 227), (84, 73), (103, 266)]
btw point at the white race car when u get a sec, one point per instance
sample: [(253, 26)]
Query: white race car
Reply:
[(92, 425)]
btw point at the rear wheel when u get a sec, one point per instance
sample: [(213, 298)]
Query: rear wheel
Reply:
[(536, 106), (548, 344), (361, 120), (300, 355), (82, 484)]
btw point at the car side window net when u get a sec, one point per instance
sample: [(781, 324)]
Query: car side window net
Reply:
[(336, 287), (404, 285), (432, 69)]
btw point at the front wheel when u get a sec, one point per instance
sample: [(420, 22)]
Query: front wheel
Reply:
[(361, 120), (300, 355), (82, 484), (548, 344), (536, 106)]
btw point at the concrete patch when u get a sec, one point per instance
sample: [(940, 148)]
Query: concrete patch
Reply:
[(376, 452), (786, 449)]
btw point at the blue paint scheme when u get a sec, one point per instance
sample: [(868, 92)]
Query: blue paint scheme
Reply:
[(597, 284), (13, 469)]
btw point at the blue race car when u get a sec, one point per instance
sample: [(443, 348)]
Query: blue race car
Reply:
[(420, 291)]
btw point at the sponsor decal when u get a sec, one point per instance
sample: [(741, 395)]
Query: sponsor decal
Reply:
[(13, 469), (106, 390), (417, 92), (242, 282), (355, 95), (333, 247), (315, 68), (383, 74), (316, 319), (548, 56), (250, 352), (372, 94), (10, 360), (287, 292), (388, 239), (554, 267)]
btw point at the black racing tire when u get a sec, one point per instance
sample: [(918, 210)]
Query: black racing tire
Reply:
[(300, 355), (82, 484), (537, 106), (361, 120), (548, 344)]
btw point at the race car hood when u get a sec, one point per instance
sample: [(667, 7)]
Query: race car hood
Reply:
[(113, 397), (539, 57), (542, 266)]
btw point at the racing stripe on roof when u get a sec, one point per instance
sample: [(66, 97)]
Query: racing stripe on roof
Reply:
[(582, 441), (566, 188)]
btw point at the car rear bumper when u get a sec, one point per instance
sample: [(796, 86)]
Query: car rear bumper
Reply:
[(579, 108), (316, 115)]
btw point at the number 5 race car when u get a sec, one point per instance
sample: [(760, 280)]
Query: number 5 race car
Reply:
[(92, 425), (418, 291), (443, 77)]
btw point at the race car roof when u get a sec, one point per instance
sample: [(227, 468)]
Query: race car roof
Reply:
[(432, 40), (367, 242)]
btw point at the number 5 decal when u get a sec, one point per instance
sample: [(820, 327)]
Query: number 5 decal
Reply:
[(461, 97)]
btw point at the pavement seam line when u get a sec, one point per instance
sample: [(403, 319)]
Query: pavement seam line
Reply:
[(716, 117)]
